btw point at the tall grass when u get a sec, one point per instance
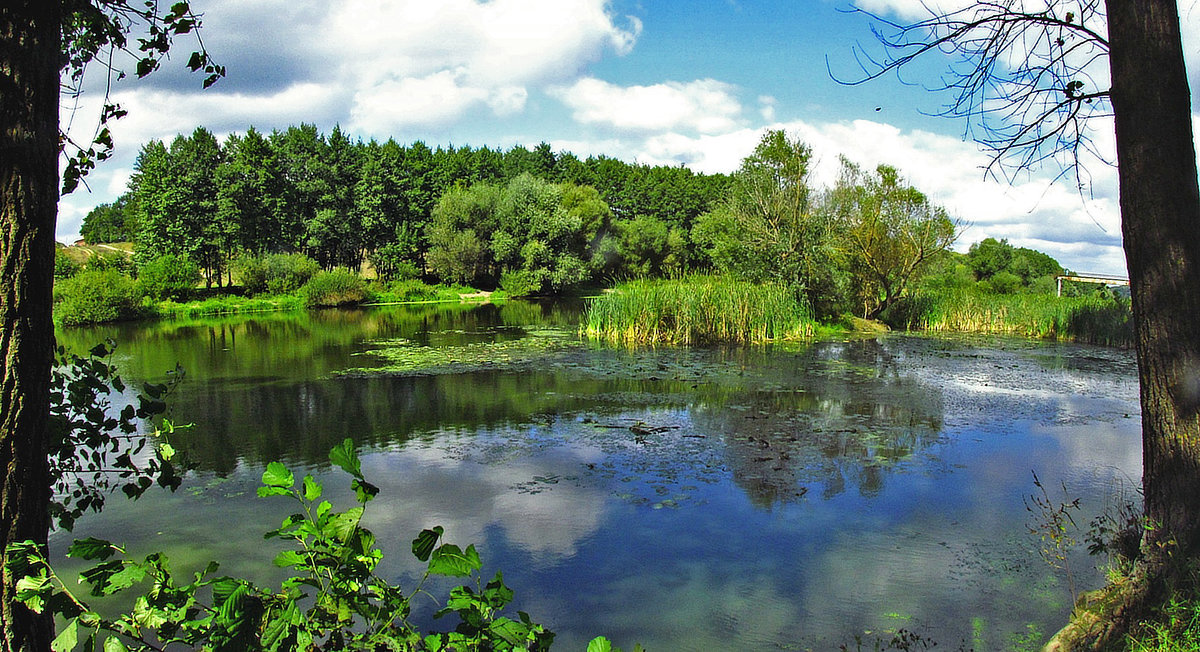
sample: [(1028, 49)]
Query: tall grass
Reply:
[(695, 310), (1089, 319)]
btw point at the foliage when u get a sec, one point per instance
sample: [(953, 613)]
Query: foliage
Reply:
[(891, 230), (520, 283), (1008, 269), (697, 309), (275, 273), (339, 287), (96, 297), (113, 260), (1091, 319), (64, 265), (115, 222), (96, 448), (391, 263), (1055, 528), (168, 277), (335, 600), (226, 305)]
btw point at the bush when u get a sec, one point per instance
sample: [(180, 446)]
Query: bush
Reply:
[(169, 277), (64, 266), (337, 288), (275, 273), (520, 283), (391, 264), (115, 261), (93, 297)]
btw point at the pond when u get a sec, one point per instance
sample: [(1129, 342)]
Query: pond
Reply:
[(748, 498)]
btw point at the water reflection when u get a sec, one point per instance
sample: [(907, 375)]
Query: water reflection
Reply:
[(707, 498)]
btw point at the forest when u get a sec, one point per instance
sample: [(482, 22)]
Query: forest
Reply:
[(531, 222)]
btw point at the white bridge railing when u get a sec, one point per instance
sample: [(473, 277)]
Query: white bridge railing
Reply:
[(1102, 279)]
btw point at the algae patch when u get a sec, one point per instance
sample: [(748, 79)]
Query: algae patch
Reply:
[(404, 357)]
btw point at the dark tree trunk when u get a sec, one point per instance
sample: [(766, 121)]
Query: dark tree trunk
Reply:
[(29, 65), (1160, 218)]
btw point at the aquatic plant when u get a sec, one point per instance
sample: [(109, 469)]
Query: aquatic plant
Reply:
[(1088, 319), (697, 309)]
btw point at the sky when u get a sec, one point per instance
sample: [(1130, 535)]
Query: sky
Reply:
[(691, 82)]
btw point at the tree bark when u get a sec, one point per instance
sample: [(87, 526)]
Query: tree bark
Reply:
[(1160, 222), (29, 65)]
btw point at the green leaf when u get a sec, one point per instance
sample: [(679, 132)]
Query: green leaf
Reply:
[(91, 548), (423, 545), (312, 488), (264, 492), (451, 561), (600, 644), (512, 632), (345, 456), (114, 644), (288, 558), (341, 525), (277, 475)]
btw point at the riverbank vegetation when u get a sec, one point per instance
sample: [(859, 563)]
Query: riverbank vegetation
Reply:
[(386, 223), (698, 310)]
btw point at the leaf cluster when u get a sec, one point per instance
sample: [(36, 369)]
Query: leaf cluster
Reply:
[(97, 447), (98, 31), (334, 601)]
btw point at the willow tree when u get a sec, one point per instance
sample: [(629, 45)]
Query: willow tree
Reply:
[(1031, 80), (39, 41)]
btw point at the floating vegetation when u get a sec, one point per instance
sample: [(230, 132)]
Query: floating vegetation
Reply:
[(403, 357), (697, 310)]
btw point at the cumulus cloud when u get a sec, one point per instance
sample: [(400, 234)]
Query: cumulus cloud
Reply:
[(706, 105), (467, 54)]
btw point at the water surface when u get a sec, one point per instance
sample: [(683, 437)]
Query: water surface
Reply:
[(749, 498)]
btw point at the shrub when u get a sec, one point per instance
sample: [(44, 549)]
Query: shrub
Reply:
[(337, 288), (64, 266), (116, 261), (168, 277), (391, 264), (520, 283), (275, 273), (93, 297)]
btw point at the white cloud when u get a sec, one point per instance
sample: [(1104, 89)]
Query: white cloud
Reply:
[(470, 54), (706, 106)]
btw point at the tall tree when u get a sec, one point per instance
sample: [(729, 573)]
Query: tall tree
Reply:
[(1035, 69), (890, 231), (39, 39)]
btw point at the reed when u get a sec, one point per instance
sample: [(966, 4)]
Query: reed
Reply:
[(1088, 319), (697, 310)]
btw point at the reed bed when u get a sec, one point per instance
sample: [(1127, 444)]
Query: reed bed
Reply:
[(1088, 319), (697, 310)]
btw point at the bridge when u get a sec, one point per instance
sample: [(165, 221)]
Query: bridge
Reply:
[(1102, 279)]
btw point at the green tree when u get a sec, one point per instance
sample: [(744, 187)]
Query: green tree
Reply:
[(115, 222), (460, 232), (989, 257), (891, 233), (770, 227), (250, 195)]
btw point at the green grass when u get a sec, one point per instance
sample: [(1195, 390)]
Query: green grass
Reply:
[(227, 305), (1089, 319), (696, 310), (1175, 629)]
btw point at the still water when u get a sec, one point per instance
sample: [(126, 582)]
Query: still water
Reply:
[(722, 498)]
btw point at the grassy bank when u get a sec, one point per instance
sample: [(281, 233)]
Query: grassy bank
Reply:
[(696, 310), (1089, 319)]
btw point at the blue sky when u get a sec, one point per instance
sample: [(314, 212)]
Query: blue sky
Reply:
[(656, 81)]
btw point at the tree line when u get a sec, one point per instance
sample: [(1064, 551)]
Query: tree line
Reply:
[(339, 200), (528, 221)]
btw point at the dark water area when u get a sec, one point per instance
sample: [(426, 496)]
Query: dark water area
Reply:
[(748, 498)]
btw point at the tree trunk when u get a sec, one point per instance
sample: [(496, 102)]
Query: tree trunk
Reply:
[(29, 66), (1160, 221)]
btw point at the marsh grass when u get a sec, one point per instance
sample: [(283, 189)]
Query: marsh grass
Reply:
[(1087, 319), (227, 305), (697, 310)]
